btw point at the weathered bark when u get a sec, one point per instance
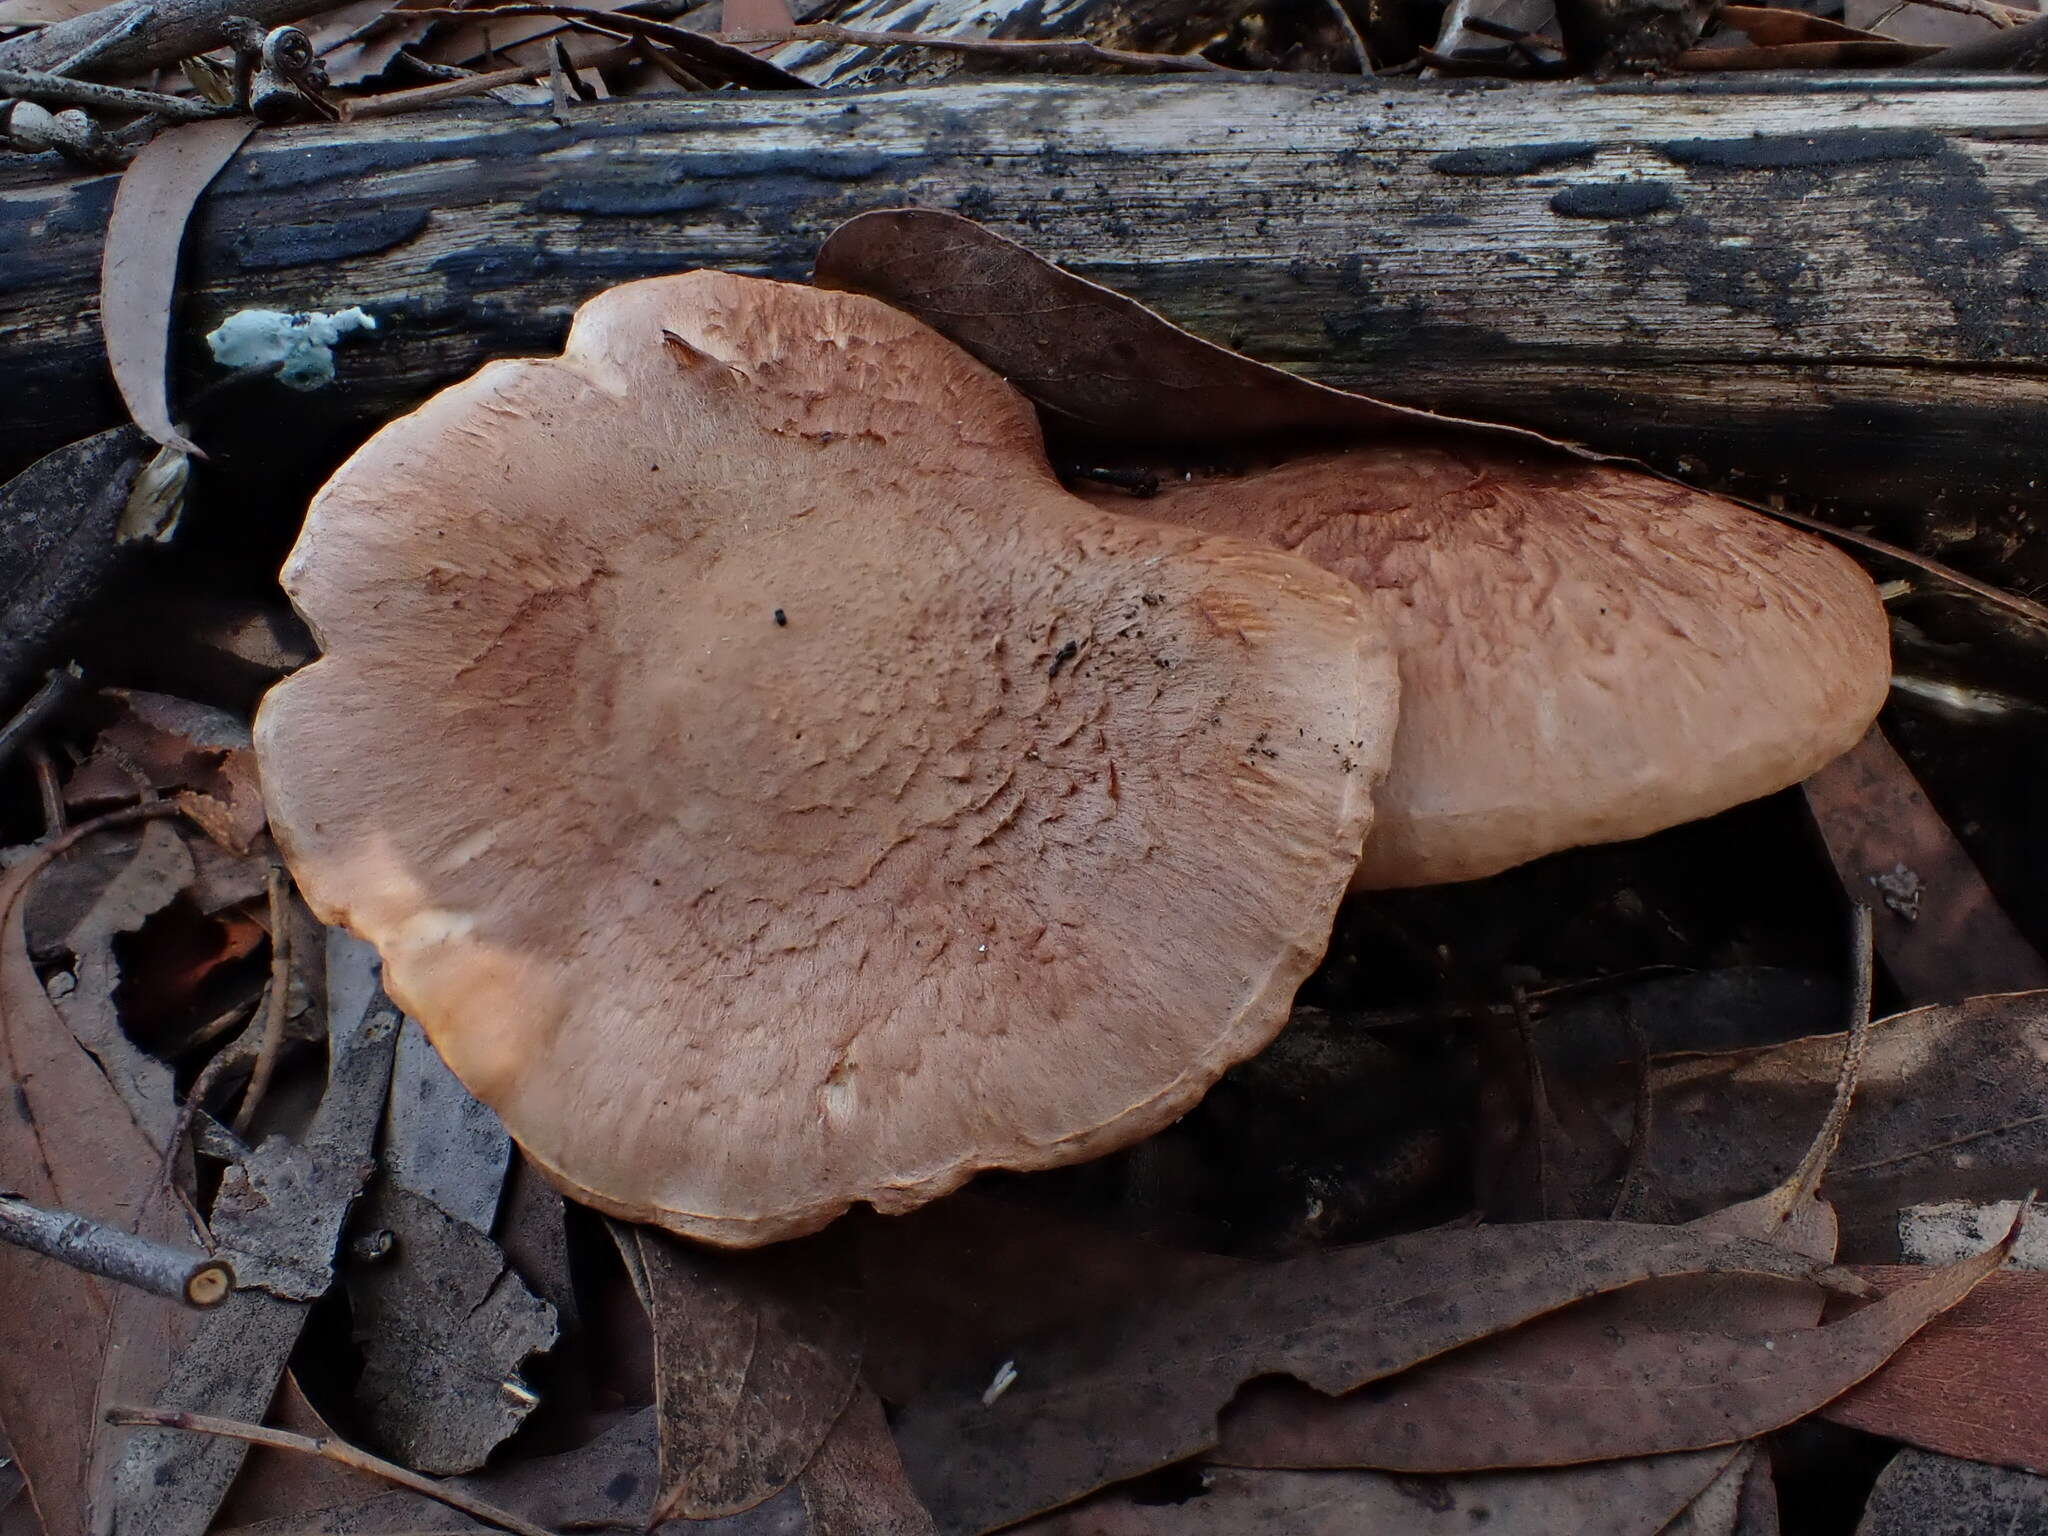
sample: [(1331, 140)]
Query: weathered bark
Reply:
[(1835, 286)]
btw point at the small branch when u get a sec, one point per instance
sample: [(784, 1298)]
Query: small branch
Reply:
[(126, 27), (1862, 986), (1944, 1146), (1989, 10), (657, 56), (1539, 1102), (94, 1248), (35, 85), (392, 103), (1635, 1174), (48, 787), (1359, 54), (236, 1053), (272, 1039), (212, 1029), (45, 702), (327, 1448)]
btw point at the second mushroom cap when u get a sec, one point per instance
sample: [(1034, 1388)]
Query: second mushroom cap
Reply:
[(1588, 654)]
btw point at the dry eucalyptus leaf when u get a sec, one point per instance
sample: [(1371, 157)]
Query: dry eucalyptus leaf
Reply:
[(198, 755), (1952, 1103), (58, 545), (1623, 1498), (1742, 1501), (1098, 363), (1770, 26), (1468, 1386), (16, 13), (856, 1485), (751, 16), (756, 1357), (1974, 1384), (70, 1142), (1568, 1394), (160, 870), (1940, 930), (139, 270), (604, 1485), (1142, 1390)]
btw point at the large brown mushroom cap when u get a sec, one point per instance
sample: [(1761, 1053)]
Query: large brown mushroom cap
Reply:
[(772, 791), (1587, 653)]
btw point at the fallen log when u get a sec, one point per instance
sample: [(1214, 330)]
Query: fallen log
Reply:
[(1835, 287)]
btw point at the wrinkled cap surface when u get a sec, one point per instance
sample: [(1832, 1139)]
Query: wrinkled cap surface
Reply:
[(1587, 653), (772, 791)]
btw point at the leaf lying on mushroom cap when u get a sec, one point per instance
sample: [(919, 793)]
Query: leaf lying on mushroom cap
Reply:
[(1588, 653)]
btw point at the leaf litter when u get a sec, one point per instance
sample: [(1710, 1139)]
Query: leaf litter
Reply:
[(1143, 1391), (1578, 1397), (72, 1143), (756, 1359)]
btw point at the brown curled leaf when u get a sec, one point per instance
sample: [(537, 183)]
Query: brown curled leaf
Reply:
[(139, 270)]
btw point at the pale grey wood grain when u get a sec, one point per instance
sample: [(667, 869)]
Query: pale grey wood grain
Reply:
[(1833, 286)]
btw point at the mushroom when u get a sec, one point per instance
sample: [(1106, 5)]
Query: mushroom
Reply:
[(772, 791), (1587, 653)]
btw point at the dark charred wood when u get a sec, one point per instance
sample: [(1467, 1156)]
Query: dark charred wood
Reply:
[(1824, 285)]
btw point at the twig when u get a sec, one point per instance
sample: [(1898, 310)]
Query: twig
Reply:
[(94, 1248), (215, 1027), (1862, 984), (126, 27), (1989, 10), (406, 59), (327, 1448), (1942, 1146), (51, 792), (47, 850), (234, 1054), (1633, 1176), (1359, 54), (35, 85), (45, 702), (280, 995), (1539, 1101), (1500, 31), (657, 56), (392, 103)]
